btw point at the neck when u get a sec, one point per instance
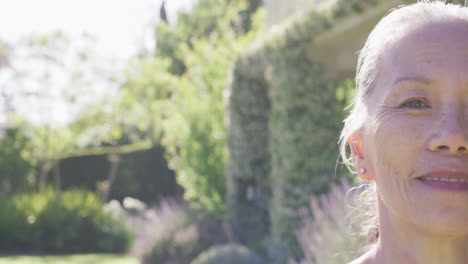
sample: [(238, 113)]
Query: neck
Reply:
[(403, 242)]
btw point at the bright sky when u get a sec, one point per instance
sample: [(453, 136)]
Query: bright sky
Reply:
[(121, 26)]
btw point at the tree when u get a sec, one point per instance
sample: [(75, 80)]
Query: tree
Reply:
[(205, 42), (15, 168), (4, 54), (49, 78), (132, 120)]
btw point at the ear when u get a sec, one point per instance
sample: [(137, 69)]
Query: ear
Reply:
[(355, 143), (361, 164)]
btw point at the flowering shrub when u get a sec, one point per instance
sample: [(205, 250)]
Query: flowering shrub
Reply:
[(325, 235), (59, 222), (173, 233), (228, 254), (155, 225)]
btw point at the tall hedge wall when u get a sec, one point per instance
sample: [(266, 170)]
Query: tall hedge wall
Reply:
[(141, 174), (305, 122), (248, 169)]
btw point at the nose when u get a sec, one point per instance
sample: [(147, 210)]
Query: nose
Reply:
[(452, 137)]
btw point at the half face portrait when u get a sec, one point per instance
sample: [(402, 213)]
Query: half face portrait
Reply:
[(411, 141), (416, 134)]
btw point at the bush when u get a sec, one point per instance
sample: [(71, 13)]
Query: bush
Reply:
[(59, 222), (285, 114), (142, 174), (173, 233), (325, 237), (194, 133), (15, 167), (228, 254)]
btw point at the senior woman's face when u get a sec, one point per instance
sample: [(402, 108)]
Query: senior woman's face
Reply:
[(416, 139)]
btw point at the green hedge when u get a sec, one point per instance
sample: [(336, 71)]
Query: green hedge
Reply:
[(15, 167), (54, 222), (142, 174), (284, 115), (248, 168)]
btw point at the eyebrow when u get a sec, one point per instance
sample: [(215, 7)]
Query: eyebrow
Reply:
[(419, 79)]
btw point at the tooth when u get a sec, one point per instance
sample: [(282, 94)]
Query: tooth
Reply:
[(453, 180), (445, 179)]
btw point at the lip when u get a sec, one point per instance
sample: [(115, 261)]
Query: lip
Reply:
[(431, 180), (450, 174)]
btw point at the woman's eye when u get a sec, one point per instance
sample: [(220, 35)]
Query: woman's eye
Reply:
[(415, 103)]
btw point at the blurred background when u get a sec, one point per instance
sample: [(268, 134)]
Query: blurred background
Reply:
[(178, 131)]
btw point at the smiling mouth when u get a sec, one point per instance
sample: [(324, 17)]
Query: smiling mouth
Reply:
[(454, 180), (447, 180)]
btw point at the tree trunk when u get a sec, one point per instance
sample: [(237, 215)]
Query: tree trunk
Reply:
[(44, 173), (114, 159), (57, 176)]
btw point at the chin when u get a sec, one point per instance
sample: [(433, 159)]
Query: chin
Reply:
[(447, 224), (439, 209)]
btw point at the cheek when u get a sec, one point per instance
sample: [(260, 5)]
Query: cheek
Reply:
[(397, 140), (394, 150)]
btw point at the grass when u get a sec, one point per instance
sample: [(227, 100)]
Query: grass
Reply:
[(69, 259)]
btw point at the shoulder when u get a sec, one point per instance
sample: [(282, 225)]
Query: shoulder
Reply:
[(362, 260), (367, 258)]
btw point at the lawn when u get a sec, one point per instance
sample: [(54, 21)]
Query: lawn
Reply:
[(69, 259)]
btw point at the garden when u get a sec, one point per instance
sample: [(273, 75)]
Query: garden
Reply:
[(218, 145)]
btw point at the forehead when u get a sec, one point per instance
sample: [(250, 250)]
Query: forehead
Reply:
[(435, 49)]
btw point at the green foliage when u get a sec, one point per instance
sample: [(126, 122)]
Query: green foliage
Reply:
[(195, 132), (207, 18), (38, 61), (286, 111), (228, 254), (457, 2), (248, 168), (142, 174), (15, 168), (4, 54), (305, 124), (54, 222), (49, 143), (145, 98)]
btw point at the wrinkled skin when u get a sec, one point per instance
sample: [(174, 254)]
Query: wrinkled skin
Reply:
[(418, 124)]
